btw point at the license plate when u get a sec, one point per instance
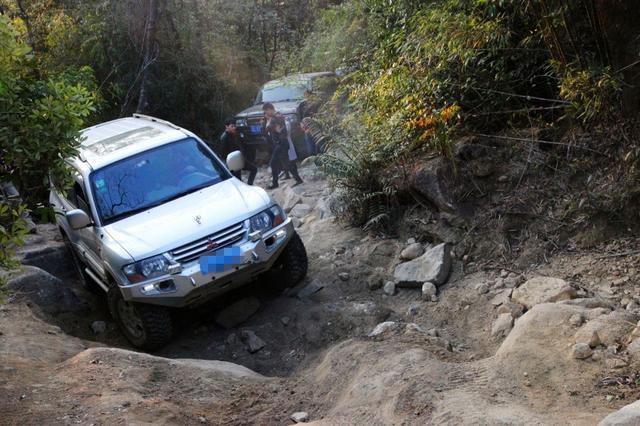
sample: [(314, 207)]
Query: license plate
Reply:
[(221, 260), (255, 128)]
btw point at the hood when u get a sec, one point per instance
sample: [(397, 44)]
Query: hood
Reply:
[(174, 224), (290, 107)]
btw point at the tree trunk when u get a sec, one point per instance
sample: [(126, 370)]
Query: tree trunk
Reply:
[(27, 22), (149, 51)]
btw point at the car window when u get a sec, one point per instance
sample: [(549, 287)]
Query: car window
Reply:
[(154, 177), (283, 91)]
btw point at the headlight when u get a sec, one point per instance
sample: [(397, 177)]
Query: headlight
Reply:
[(267, 219), (152, 267), (241, 122)]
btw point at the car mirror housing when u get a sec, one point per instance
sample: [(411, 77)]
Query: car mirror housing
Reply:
[(78, 219), (235, 161)]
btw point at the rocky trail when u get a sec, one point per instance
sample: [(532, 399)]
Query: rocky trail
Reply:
[(403, 330)]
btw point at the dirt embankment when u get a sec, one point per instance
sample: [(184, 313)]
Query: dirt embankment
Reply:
[(496, 344)]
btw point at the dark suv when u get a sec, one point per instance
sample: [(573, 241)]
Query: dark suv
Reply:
[(293, 96)]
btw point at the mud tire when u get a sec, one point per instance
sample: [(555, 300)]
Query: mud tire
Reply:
[(147, 327), (293, 263)]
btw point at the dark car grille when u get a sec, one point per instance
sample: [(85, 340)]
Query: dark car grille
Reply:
[(218, 240)]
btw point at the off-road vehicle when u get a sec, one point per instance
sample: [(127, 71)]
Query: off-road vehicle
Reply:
[(157, 221), (294, 96)]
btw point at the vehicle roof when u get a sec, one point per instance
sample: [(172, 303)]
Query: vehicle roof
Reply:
[(114, 140), (299, 77)]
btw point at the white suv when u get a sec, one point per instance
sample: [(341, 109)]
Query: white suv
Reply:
[(157, 221)]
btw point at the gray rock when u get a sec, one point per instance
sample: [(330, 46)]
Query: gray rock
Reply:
[(238, 312), (629, 415), (502, 325), (285, 320), (412, 251), (576, 320), (344, 276), (47, 292), (291, 200), (482, 288), (300, 210), (433, 266), (542, 290), (433, 332), (383, 329), (504, 273), (499, 283), (429, 182), (300, 417), (581, 351), (389, 288), (502, 297), (594, 342), (310, 289), (253, 342), (428, 290), (434, 298), (413, 310), (516, 310), (98, 327), (411, 241)]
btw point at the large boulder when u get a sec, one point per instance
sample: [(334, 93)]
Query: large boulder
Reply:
[(428, 182), (433, 266), (542, 290), (50, 294), (629, 415)]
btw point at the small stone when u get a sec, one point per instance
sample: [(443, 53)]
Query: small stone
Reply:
[(383, 328), (576, 320), (434, 298), (413, 310), (428, 290), (498, 283), (504, 273), (232, 339), (433, 332), (253, 342), (502, 325), (632, 306), (285, 320), (344, 276), (300, 417), (614, 363), (310, 289), (482, 288), (412, 251), (411, 241), (594, 342), (389, 288), (202, 419), (98, 327), (581, 351), (503, 179), (516, 310)]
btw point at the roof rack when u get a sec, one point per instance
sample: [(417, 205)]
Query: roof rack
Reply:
[(156, 120)]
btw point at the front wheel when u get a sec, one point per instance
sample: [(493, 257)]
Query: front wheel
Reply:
[(293, 262), (146, 326)]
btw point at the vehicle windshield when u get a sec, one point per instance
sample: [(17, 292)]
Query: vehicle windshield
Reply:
[(154, 177), (283, 91)]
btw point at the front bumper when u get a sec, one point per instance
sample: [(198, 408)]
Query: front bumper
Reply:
[(191, 286)]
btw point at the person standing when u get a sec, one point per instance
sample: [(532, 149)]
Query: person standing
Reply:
[(233, 140), (275, 130)]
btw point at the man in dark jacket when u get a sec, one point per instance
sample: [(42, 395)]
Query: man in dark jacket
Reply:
[(233, 140), (275, 130)]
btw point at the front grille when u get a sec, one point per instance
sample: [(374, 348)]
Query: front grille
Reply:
[(197, 248)]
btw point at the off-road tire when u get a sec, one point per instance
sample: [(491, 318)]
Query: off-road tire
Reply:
[(293, 263), (155, 323), (79, 266)]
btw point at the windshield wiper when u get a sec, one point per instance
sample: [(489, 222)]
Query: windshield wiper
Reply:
[(188, 191)]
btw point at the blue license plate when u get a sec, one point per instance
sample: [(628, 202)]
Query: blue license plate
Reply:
[(255, 128), (220, 261)]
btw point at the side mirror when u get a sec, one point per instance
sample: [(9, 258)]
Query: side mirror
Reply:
[(235, 161), (78, 219)]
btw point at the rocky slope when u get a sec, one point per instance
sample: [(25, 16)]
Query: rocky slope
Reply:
[(383, 331)]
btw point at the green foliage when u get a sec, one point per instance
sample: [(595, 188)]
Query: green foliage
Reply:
[(12, 232), (594, 95)]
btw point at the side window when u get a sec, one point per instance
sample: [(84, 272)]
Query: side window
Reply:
[(80, 198)]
